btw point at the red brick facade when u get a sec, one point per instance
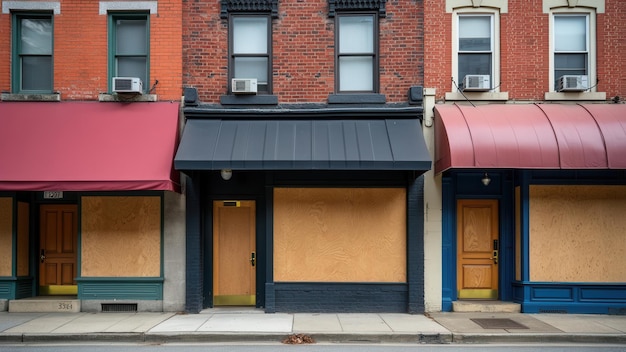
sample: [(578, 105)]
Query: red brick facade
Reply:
[(80, 50), (303, 50), (524, 50)]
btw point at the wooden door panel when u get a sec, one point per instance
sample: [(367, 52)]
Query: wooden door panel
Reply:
[(234, 242), (477, 276), (477, 229), (68, 271), (58, 246)]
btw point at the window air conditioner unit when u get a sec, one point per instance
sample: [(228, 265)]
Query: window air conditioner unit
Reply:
[(572, 83), (127, 85), (477, 83), (244, 85)]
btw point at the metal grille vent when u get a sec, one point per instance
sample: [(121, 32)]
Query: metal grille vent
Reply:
[(553, 311), (123, 84), (496, 323), (119, 307)]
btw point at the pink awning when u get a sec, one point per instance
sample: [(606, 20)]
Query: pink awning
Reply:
[(530, 136), (88, 146)]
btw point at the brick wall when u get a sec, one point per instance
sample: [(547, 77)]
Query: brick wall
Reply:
[(524, 49), (303, 50), (80, 50)]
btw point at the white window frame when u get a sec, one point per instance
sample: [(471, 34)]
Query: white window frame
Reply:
[(458, 52), (590, 8), (494, 9)]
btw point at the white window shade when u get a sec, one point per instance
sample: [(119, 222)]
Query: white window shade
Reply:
[(570, 33), (251, 67), (250, 35), (356, 73), (475, 33), (356, 34)]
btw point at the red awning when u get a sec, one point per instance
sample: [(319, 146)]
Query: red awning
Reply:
[(530, 136), (88, 146)]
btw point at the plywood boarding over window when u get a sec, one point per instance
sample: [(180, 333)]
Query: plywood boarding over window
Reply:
[(340, 234), (22, 239), (6, 236), (578, 233), (121, 236)]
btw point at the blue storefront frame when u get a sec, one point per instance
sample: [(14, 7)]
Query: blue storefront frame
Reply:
[(534, 297)]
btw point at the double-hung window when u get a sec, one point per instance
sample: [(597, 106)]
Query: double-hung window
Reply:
[(129, 47), (475, 47), (32, 48), (250, 49), (356, 53), (571, 45)]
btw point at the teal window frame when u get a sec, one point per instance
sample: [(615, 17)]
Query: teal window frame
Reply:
[(114, 55), (18, 55)]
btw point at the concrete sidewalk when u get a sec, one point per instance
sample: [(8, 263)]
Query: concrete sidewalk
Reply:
[(235, 325)]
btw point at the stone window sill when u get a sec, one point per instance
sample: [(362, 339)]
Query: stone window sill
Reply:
[(370, 98), (249, 99), (477, 96), (105, 97), (575, 96), (31, 97)]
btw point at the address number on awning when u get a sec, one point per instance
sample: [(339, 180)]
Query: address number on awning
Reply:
[(53, 194)]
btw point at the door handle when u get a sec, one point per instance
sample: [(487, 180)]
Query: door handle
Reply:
[(253, 259), (42, 255), (495, 257)]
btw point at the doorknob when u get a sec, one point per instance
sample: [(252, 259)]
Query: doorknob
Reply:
[(42, 256), (496, 247), (495, 257), (253, 259)]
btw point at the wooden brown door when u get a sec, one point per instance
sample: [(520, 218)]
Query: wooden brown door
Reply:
[(477, 249), (58, 249), (234, 253)]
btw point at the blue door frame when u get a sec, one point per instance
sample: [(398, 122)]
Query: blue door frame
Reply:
[(467, 184)]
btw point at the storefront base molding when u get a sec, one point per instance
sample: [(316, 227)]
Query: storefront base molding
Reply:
[(566, 297), (123, 305), (16, 287), (316, 297), (131, 288)]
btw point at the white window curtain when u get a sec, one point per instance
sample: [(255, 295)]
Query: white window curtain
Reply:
[(250, 35), (570, 33)]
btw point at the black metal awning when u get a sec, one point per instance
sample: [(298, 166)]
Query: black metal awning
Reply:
[(352, 144)]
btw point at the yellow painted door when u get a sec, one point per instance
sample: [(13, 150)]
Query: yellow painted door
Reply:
[(58, 249), (234, 253), (477, 249)]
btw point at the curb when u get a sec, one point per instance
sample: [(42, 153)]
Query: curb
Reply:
[(347, 338), (88, 337), (469, 338)]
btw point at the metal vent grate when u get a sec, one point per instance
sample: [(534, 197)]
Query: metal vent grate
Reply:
[(553, 311), (495, 323), (119, 307)]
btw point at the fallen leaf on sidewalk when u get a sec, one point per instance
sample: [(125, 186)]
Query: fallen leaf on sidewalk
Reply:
[(298, 339)]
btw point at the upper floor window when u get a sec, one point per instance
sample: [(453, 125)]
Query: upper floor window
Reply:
[(475, 47), (571, 45), (250, 49), (32, 50), (357, 52), (129, 47)]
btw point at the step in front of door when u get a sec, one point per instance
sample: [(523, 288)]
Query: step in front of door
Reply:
[(486, 306), (34, 305)]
